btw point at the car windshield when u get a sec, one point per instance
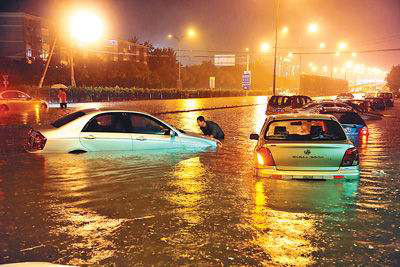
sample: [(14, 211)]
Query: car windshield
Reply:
[(67, 119), (305, 130), (310, 105)]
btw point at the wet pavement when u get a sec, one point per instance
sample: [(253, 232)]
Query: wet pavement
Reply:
[(199, 208)]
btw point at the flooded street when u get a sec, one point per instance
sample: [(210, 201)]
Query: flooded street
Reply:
[(194, 207)]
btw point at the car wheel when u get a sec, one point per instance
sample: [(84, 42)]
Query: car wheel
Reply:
[(4, 108)]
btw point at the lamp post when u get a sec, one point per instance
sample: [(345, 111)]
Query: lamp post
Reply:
[(190, 33), (47, 63), (277, 3)]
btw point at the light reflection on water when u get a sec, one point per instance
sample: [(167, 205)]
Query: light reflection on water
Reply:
[(199, 207)]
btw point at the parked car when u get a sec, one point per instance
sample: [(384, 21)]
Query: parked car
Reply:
[(345, 96), (305, 146), (316, 106), (111, 130), (354, 126), (13, 100), (286, 104), (376, 103), (388, 97)]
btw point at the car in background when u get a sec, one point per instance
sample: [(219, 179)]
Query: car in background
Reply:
[(14, 100), (354, 126), (316, 106), (286, 104), (345, 96), (305, 146), (364, 110), (388, 97), (111, 130), (376, 103)]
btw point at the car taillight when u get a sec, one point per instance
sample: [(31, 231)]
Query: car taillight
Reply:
[(37, 140), (350, 158), (264, 157)]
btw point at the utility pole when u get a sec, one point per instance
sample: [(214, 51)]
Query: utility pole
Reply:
[(277, 3), (71, 61), (47, 64)]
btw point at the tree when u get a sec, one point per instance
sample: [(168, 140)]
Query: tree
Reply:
[(393, 78)]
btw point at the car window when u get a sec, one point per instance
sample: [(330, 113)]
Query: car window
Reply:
[(22, 95), (113, 122), (146, 125), (67, 119), (304, 130), (328, 105), (310, 105), (10, 95)]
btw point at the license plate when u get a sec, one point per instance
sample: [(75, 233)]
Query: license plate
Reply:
[(307, 177)]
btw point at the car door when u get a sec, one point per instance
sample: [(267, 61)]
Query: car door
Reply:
[(107, 132), (25, 100), (148, 133)]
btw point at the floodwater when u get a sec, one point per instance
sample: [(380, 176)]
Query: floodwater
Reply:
[(200, 208)]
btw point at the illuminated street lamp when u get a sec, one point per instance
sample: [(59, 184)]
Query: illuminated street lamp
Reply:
[(342, 45), (190, 33), (264, 47), (313, 27), (322, 45), (285, 30), (85, 27)]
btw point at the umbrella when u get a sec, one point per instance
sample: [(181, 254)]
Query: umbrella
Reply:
[(59, 86)]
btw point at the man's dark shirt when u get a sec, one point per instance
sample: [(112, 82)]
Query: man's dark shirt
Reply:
[(213, 129)]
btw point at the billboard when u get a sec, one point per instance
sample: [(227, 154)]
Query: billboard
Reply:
[(224, 60)]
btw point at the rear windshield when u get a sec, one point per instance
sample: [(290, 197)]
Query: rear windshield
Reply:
[(348, 118), (67, 119), (305, 130)]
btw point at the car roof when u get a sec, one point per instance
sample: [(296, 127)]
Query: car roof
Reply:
[(304, 116), (92, 111)]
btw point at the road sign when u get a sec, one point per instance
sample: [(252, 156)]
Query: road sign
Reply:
[(246, 80)]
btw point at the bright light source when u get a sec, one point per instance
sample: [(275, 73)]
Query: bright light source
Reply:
[(349, 64), (285, 30), (290, 54), (354, 55), (342, 45), (191, 33), (313, 27), (170, 36), (314, 68), (264, 47), (335, 70), (325, 68), (322, 45), (310, 64), (337, 54), (247, 49), (86, 27)]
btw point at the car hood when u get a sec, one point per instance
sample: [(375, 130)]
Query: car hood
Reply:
[(199, 137)]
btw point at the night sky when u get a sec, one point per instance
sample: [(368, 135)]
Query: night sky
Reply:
[(235, 24)]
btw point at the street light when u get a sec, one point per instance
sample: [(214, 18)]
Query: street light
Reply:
[(322, 45), (265, 47), (285, 30), (342, 45), (190, 33), (313, 27)]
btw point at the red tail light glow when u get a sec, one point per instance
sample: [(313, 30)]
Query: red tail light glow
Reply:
[(264, 157), (350, 158)]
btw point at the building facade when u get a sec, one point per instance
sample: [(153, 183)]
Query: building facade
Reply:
[(23, 36)]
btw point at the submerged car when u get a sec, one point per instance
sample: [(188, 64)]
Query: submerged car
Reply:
[(354, 126), (316, 106), (388, 98), (111, 130), (286, 104), (305, 146), (376, 103), (13, 100), (345, 96)]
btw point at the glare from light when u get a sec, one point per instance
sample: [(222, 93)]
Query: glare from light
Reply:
[(170, 36), (290, 54), (264, 47), (313, 27), (325, 68), (247, 49), (285, 30), (354, 55), (310, 64), (191, 33), (342, 45), (314, 68), (260, 159), (349, 64), (337, 54), (86, 27), (322, 45), (335, 70)]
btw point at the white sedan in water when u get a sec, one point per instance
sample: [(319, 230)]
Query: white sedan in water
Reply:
[(13, 100), (111, 130)]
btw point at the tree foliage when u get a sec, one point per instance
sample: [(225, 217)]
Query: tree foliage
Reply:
[(393, 78)]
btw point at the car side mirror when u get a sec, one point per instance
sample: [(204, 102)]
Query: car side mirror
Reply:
[(254, 136)]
